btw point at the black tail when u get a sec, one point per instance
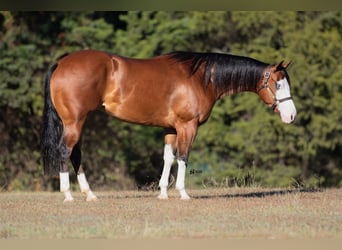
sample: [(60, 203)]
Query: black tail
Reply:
[(53, 146)]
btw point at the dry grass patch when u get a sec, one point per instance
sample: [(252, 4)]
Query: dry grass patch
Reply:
[(212, 213)]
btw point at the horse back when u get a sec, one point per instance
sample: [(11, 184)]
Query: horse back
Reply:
[(156, 91)]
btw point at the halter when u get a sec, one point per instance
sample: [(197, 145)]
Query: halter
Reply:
[(267, 86)]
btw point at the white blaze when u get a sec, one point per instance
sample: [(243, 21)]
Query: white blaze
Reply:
[(287, 108)]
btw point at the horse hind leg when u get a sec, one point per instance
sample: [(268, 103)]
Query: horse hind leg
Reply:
[(71, 135), (65, 181), (76, 157)]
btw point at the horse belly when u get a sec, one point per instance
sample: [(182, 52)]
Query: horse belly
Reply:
[(143, 111)]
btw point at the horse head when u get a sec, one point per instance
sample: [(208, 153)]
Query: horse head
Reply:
[(274, 90)]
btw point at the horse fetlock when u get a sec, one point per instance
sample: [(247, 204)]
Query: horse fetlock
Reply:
[(68, 197), (163, 192), (91, 196), (163, 196), (184, 195)]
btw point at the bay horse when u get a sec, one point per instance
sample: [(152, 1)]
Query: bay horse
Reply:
[(175, 91)]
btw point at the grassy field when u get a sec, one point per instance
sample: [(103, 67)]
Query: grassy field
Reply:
[(234, 213)]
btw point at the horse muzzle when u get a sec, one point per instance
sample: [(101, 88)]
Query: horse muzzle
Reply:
[(287, 111)]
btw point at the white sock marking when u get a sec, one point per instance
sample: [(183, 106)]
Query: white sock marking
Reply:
[(82, 181), (164, 180), (64, 182), (65, 186), (84, 186), (180, 186)]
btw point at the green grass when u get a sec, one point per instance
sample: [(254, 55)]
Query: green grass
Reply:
[(212, 213)]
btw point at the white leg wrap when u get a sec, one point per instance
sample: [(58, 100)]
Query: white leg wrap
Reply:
[(65, 186), (168, 153), (64, 182), (84, 186), (82, 181), (180, 186), (164, 180)]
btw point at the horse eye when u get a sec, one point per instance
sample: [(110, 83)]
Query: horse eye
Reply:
[(278, 86)]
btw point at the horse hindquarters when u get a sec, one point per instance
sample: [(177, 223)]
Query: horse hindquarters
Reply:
[(61, 132), (54, 149)]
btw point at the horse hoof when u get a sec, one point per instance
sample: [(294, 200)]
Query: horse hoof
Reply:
[(68, 200), (184, 195), (90, 199), (185, 198), (163, 197)]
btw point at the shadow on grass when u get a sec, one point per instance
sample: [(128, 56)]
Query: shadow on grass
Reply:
[(260, 194)]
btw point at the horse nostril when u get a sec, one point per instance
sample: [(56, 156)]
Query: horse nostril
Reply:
[(292, 117)]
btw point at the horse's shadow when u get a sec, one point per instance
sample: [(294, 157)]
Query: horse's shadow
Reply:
[(260, 194)]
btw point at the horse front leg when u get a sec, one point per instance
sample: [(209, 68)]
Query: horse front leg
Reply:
[(186, 134), (169, 156), (180, 183)]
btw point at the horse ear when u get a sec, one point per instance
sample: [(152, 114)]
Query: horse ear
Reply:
[(285, 65), (281, 66)]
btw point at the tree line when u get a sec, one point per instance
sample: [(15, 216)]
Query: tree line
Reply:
[(243, 142)]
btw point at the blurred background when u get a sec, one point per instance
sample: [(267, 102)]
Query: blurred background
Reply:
[(243, 143)]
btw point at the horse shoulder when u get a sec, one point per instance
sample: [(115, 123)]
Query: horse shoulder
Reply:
[(191, 101)]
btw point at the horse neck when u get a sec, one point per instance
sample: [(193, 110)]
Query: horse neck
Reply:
[(243, 78), (233, 91)]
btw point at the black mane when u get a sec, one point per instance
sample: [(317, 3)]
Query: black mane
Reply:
[(227, 72)]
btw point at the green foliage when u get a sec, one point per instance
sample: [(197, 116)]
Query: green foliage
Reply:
[(243, 142), (311, 148), (85, 33)]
